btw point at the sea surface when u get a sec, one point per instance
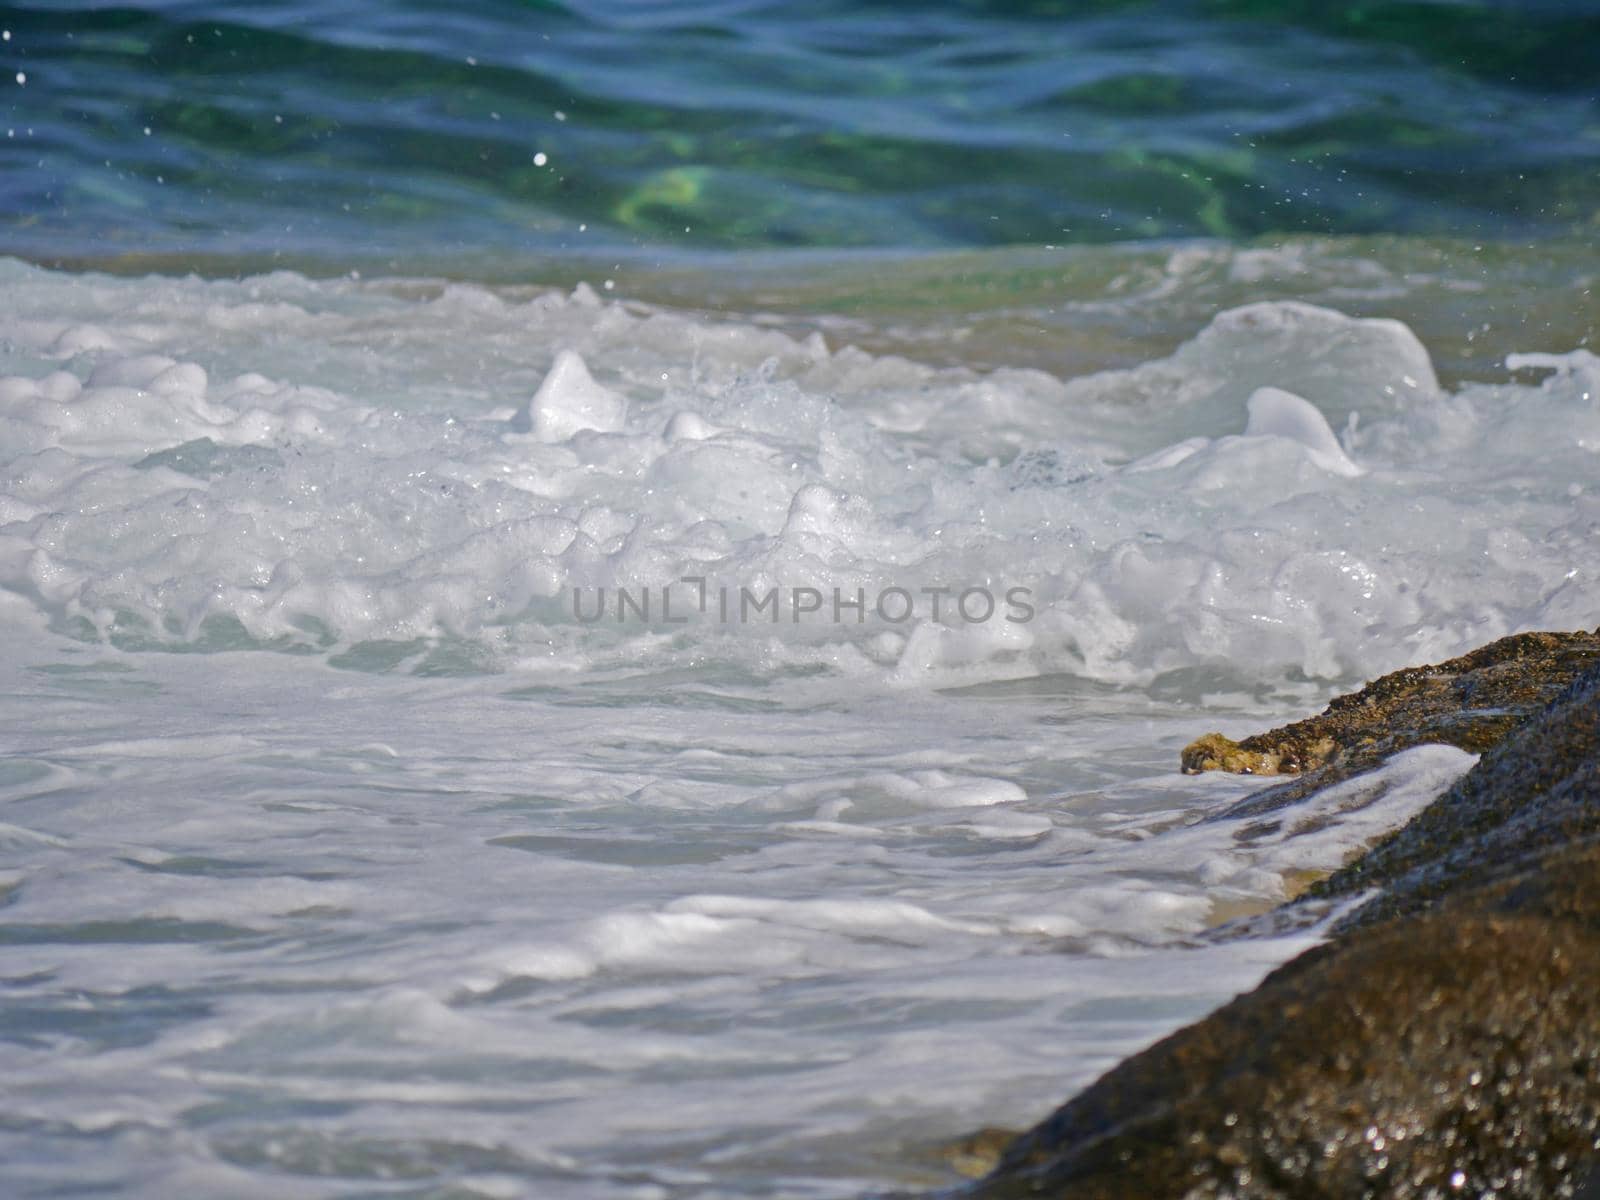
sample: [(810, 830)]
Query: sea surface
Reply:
[(600, 600)]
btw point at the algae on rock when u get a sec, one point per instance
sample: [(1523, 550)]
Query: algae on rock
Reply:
[(1469, 702)]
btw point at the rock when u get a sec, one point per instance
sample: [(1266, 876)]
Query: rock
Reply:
[(1470, 702), (1455, 1053), (1256, 755), (1536, 791), (977, 1154), (1446, 1041)]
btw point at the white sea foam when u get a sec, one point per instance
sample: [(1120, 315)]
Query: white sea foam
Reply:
[(168, 487), (337, 849)]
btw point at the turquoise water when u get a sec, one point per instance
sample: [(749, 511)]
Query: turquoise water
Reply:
[(335, 133)]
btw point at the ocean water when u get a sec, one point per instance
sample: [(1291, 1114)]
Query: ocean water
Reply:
[(659, 672), (460, 135)]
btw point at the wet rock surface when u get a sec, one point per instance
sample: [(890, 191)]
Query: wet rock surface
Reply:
[(1446, 1041), (1452, 1054), (1537, 791), (1471, 702), (974, 1156)]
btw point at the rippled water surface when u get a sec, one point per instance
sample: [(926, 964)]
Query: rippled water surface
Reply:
[(343, 851), (358, 838), (324, 129)]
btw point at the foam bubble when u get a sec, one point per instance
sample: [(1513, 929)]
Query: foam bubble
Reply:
[(167, 490), (1277, 413), (568, 402)]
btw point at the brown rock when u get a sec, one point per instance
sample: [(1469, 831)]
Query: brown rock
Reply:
[(977, 1154), (1451, 1054), (1447, 1041), (1470, 702), (1537, 791)]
